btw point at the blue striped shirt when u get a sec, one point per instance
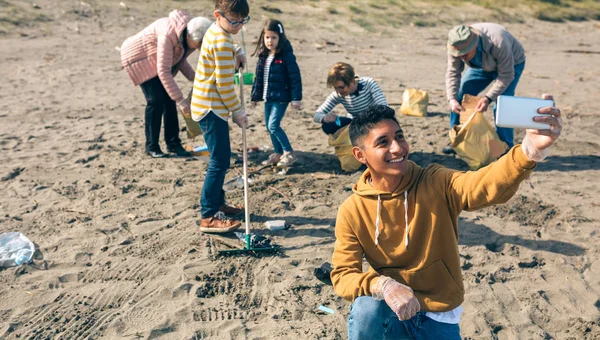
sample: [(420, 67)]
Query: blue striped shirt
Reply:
[(367, 94)]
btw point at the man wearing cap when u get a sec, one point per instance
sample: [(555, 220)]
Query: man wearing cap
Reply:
[(493, 55)]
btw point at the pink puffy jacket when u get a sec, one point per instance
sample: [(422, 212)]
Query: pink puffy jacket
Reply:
[(157, 50)]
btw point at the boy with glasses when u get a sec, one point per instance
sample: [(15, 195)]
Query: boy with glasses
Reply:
[(213, 99)]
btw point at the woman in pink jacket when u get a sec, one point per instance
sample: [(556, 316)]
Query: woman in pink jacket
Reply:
[(152, 58)]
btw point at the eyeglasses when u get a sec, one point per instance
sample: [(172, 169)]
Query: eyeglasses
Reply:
[(235, 23)]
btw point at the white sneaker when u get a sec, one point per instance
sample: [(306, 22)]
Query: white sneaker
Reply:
[(273, 159), (287, 159)]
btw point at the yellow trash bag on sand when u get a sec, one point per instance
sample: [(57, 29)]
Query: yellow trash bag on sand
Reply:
[(340, 141), (414, 103), (476, 141), (192, 127)]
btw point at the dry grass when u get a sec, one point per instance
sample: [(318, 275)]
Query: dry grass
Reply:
[(368, 15), (15, 15), (549, 10), (420, 12), (379, 15)]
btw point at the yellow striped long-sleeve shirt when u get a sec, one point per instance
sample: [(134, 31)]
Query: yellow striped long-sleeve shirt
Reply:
[(213, 83)]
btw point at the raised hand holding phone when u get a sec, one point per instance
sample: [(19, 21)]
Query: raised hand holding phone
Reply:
[(537, 142)]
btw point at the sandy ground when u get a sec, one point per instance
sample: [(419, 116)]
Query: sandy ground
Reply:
[(120, 255)]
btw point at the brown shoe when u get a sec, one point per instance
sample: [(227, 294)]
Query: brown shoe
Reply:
[(219, 224), (231, 209)]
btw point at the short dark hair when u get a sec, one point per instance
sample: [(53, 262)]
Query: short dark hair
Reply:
[(237, 7), (362, 124)]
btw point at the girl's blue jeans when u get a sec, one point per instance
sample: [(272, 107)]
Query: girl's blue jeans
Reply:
[(373, 319), (476, 80), (274, 112)]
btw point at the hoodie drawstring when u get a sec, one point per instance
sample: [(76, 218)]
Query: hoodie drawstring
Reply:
[(378, 219), (406, 218)]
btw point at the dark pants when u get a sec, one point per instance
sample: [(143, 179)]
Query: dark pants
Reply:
[(475, 81), (331, 128), (160, 105), (216, 136)]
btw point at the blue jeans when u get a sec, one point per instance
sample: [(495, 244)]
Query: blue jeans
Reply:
[(216, 136), (373, 319), (475, 81), (274, 112)]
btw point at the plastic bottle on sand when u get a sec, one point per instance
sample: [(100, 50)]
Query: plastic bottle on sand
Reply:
[(15, 249)]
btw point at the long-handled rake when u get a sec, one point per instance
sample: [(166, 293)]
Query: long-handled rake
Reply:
[(253, 244)]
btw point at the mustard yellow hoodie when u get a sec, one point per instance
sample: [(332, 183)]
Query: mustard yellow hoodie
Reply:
[(427, 260)]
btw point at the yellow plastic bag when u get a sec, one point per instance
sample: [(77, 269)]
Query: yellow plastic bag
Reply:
[(340, 141), (192, 127), (476, 142), (414, 103)]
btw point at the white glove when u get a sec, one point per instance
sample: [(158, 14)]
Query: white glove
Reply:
[(400, 298), (536, 144), (240, 61), (184, 106), (455, 106), (330, 117), (533, 153), (241, 119), (297, 104)]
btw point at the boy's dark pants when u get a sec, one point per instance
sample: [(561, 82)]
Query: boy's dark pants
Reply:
[(159, 104), (332, 127), (216, 136)]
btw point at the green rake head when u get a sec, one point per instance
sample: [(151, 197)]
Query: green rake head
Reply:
[(255, 245)]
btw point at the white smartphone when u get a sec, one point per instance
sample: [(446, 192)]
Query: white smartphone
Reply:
[(518, 112)]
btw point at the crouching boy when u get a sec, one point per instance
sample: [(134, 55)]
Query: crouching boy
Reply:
[(404, 220)]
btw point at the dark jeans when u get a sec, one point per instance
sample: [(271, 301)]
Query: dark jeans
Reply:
[(274, 112), (216, 136), (373, 319), (331, 128), (475, 81), (160, 105)]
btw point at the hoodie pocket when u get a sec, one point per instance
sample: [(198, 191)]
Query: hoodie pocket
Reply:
[(434, 283)]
